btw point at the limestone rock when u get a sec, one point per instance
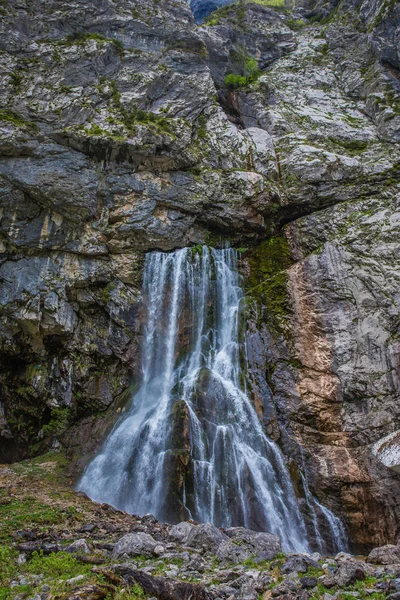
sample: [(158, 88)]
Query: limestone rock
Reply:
[(385, 555), (387, 450), (135, 544), (206, 537), (299, 564), (263, 545), (181, 532), (78, 547)]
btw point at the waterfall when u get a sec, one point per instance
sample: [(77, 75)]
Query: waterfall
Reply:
[(337, 533), (191, 444)]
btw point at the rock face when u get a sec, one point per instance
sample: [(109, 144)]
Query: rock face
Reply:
[(387, 450), (120, 133)]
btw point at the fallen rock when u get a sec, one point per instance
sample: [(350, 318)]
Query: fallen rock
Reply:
[(346, 574), (78, 547), (385, 555), (89, 592), (308, 582), (206, 536), (162, 587), (44, 547), (231, 552), (181, 531), (299, 563), (135, 544), (75, 580), (263, 546)]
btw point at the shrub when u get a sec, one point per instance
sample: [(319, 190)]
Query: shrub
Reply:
[(235, 81)]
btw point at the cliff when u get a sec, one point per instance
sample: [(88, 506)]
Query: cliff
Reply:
[(125, 127)]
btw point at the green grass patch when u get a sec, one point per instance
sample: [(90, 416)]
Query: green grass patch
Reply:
[(58, 564), (269, 3), (22, 514)]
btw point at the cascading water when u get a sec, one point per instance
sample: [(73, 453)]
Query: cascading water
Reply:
[(191, 444)]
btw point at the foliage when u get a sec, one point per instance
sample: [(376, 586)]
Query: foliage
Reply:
[(59, 421), (296, 24), (235, 81), (248, 68), (56, 565), (7, 564), (18, 514)]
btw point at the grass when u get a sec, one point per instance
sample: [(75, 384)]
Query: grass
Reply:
[(22, 514), (269, 3), (59, 564)]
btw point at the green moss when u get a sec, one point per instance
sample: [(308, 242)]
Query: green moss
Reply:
[(16, 79), (295, 24), (8, 116), (351, 147), (106, 293), (267, 282), (186, 46), (59, 420), (202, 127), (82, 38)]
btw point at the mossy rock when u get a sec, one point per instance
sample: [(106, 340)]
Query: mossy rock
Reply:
[(266, 283)]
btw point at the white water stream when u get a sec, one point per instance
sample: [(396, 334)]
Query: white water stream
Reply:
[(191, 438)]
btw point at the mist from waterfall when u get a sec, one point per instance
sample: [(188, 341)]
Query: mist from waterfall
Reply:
[(191, 445)]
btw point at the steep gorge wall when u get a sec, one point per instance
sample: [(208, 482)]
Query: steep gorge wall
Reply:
[(118, 136)]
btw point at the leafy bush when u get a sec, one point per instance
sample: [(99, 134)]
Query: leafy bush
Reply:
[(248, 69), (235, 81)]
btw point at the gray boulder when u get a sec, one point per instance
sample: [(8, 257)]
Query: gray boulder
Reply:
[(299, 563), (385, 555), (264, 546), (181, 531), (135, 544), (346, 574), (349, 572), (233, 552), (78, 547), (206, 536)]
